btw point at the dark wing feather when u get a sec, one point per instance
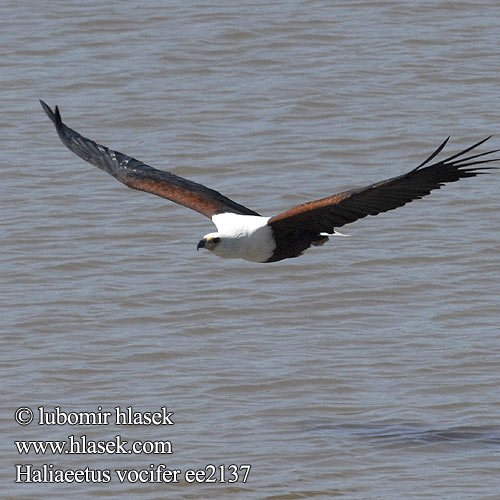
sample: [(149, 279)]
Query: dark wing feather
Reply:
[(343, 208), (138, 175)]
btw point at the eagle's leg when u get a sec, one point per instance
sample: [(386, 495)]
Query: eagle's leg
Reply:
[(321, 241)]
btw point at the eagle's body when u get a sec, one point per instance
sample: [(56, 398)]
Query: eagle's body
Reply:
[(245, 234)]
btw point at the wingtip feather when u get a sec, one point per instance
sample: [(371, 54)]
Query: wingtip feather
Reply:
[(58, 118), (47, 109), (434, 154), (55, 116)]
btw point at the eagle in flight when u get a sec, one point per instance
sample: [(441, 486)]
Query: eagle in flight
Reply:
[(242, 232)]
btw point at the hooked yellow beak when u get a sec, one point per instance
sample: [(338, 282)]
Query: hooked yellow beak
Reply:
[(208, 242)]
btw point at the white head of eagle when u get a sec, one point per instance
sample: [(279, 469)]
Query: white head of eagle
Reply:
[(246, 237)]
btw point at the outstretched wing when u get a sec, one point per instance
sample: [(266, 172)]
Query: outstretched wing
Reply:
[(138, 175), (322, 216)]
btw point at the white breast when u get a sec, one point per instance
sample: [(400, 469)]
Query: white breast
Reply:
[(244, 236)]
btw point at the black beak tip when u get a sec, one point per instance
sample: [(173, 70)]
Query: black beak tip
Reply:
[(201, 244)]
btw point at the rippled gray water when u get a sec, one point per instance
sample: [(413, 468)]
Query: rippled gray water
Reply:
[(368, 368)]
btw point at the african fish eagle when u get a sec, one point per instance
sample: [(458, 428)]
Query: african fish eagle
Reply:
[(242, 232)]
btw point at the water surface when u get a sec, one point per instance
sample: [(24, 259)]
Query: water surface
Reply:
[(368, 368)]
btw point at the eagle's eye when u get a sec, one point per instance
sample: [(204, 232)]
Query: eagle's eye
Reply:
[(216, 240)]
